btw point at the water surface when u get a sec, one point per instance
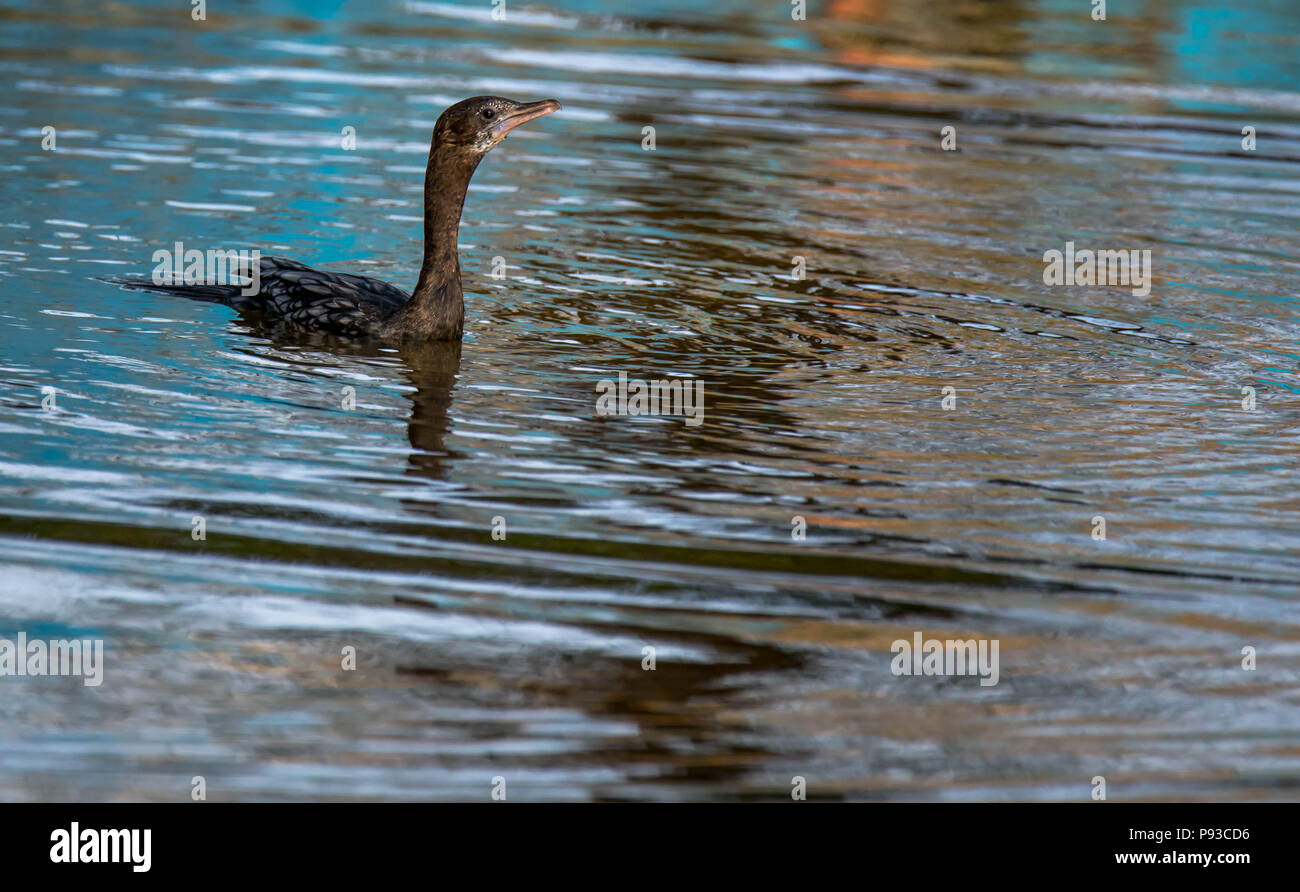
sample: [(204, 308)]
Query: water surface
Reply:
[(370, 527)]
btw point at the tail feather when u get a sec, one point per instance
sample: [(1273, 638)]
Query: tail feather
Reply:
[(221, 294)]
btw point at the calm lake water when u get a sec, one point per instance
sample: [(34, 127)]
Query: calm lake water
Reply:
[(371, 527)]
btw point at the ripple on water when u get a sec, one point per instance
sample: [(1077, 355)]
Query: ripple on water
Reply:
[(797, 241)]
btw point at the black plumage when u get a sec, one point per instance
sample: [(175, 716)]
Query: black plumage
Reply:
[(295, 295)]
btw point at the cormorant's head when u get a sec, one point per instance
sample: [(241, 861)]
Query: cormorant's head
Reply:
[(476, 125)]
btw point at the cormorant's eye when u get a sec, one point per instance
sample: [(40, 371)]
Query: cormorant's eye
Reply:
[(489, 113)]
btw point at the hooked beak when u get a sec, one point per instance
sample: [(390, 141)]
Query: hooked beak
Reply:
[(523, 115)]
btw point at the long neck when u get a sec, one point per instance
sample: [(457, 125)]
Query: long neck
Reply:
[(436, 310)]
